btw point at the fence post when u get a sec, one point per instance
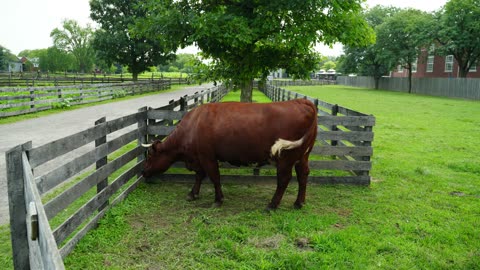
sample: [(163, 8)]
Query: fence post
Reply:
[(334, 127), (142, 132), (195, 100), (17, 206), (101, 162), (183, 103), (32, 98)]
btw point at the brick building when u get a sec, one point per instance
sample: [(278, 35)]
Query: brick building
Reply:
[(433, 66)]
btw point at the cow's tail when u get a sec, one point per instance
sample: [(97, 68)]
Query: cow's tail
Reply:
[(282, 144)]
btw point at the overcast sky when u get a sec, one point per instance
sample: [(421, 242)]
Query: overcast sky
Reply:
[(26, 24)]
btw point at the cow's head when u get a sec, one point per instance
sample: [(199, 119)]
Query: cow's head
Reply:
[(158, 159)]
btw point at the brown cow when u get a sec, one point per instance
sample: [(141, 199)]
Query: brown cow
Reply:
[(279, 133)]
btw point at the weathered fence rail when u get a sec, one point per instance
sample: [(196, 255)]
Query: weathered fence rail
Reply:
[(344, 140), (468, 88), (51, 212), (301, 82), (18, 101), (34, 79)]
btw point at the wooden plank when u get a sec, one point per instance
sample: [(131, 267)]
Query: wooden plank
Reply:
[(160, 130), (17, 206), (64, 145), (347, 120), (60, 202), (19, 112), (84, 212), (342, 150), (163, 114), (125, 121), (343, 165), (101, 161), (342, 135), (56, 176), (251, 179), (50, 256)]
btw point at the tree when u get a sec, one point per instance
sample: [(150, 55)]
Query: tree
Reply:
[(249, 39), (457, 30), (371, 60), (54, 60), (76, 40), (3, 59), (402, 37), (117, 40)]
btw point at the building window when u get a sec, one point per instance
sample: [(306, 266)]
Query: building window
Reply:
[(430, 63), (414, 67), (399, 68), (449, 63), (473, 68)]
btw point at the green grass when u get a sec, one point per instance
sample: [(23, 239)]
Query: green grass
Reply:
[(420, 212)]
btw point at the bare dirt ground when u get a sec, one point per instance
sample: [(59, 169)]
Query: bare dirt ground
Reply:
[(52, 127)]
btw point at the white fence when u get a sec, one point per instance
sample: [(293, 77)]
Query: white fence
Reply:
[(468, 88)]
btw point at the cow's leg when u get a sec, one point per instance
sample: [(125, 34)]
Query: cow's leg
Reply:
[(302, 170), (211, 168), (194, 194), (284, 174)]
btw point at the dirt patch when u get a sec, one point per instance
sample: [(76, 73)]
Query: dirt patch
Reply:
[(304, 244), (272, 242)]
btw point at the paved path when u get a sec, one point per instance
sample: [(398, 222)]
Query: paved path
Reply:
[(56, 126)]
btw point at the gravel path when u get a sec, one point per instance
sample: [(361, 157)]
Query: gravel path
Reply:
[(56, 126)]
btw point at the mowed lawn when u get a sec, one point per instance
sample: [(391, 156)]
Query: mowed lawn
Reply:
[(421, 211)]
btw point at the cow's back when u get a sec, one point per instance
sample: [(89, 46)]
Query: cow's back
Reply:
[(243, 133)]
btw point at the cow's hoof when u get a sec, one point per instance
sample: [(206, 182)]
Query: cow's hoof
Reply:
[(297, 205), (192, 197), (270, 208), (217, 204)]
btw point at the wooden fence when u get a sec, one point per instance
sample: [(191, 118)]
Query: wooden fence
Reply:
[(34, 79), (18, 101), (468, 88), (51, 212), (46, 227), (344, 140), (301, 82)]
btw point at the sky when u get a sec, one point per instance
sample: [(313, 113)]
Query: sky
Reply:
[(27, 24)]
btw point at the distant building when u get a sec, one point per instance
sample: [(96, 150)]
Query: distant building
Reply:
[(429, 65), (330, 74), (15, 66), (30, 64), (279, 74)]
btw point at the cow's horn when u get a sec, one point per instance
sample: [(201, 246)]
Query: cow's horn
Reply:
[(146, 145)]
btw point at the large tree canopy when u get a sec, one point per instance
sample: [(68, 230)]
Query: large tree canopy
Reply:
[(115, 41), (458, 32), (373, 59), (76, 40), (250, 38), (402, 37)]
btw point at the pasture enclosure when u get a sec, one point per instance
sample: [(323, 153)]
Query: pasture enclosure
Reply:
[(468, 88), (18, 101), (52, 211)]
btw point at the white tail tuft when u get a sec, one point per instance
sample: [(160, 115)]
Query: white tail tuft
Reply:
[(282, 144)]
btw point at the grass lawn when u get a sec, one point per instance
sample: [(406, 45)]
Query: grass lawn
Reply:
[(420, 212)]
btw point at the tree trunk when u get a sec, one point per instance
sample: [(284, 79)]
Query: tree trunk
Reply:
[(246, 90), (410, 80), (135, 76), (377, 82)]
